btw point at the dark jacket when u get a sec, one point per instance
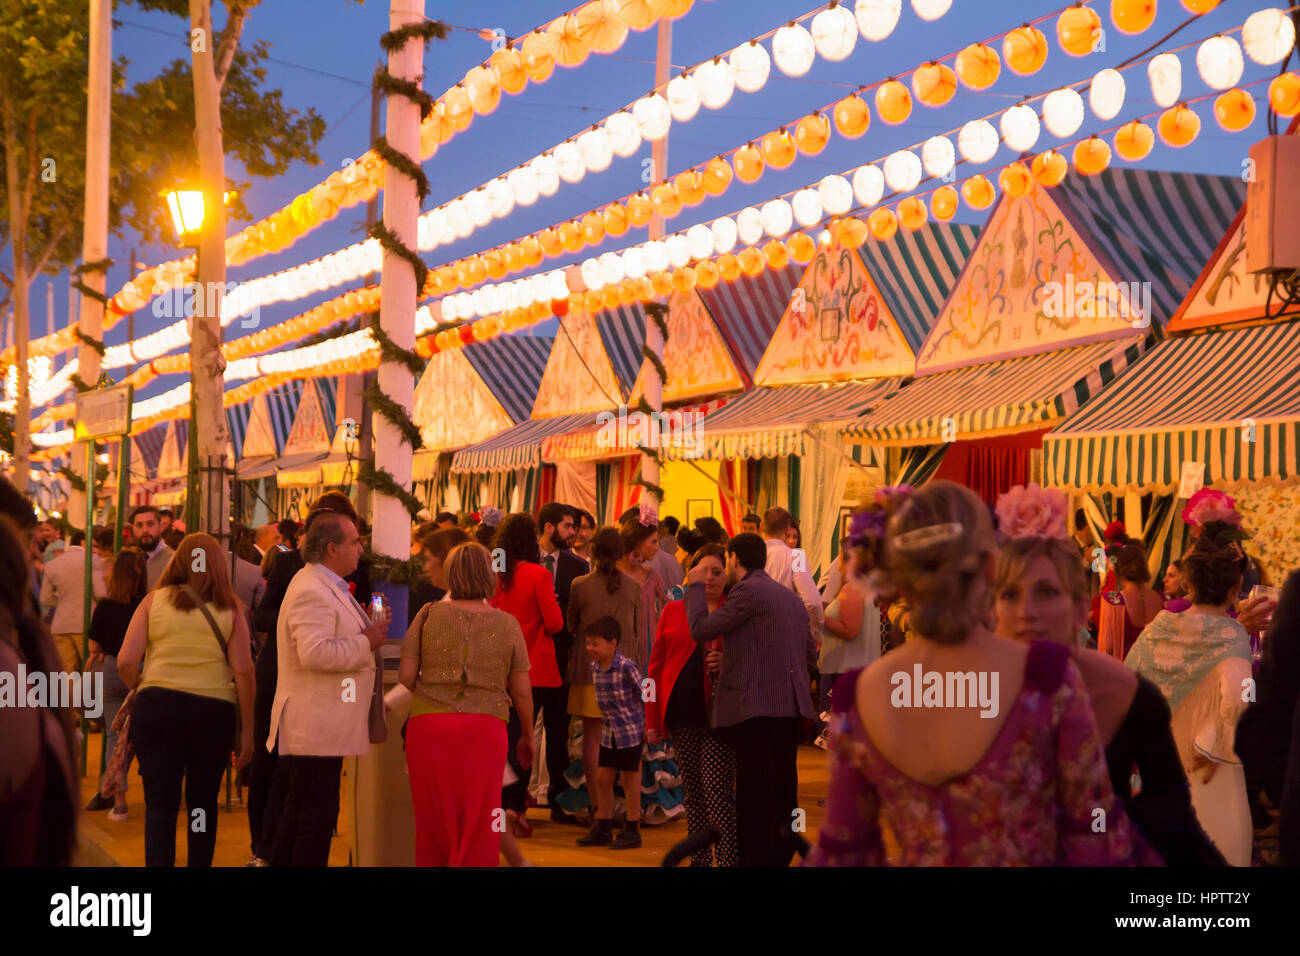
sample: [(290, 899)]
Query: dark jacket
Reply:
[(287, 564)]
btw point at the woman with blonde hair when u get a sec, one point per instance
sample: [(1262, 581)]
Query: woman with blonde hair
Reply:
[(192, 634)]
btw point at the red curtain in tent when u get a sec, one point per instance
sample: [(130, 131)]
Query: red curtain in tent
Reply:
[(990, 466), (731, 509), (545, 488)]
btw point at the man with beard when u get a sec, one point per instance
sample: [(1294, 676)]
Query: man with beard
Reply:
[(581, 543), (556, 531), (147, 530)]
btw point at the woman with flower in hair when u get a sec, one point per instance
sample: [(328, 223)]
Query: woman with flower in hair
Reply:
[(1042, 595), (1010, 774)]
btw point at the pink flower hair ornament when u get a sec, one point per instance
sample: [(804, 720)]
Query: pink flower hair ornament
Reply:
[(1032, 512), (1208, 505), (648, 514)]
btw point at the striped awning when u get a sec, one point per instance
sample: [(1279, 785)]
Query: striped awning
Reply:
[(622, 330), (149, 444), (770, 422), (1229, 401), (605, 436), (518, 447), (511, 366), (282, 404), (1013, 395), (748, 310)]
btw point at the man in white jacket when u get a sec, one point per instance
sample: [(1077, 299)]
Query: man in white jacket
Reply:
[(789, 568), (326, 657), (63, 589)]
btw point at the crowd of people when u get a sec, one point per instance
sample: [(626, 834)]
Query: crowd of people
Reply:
[(987, 686)]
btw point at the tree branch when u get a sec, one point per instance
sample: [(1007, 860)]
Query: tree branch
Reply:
[(6, 280), (229, 43), (48, 250)]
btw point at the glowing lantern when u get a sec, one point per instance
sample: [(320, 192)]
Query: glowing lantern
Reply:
[(569, 163), (523, 186), (690, 187), (801, 247), (978, 66), (684, 279), (1219, 62), (978, 141), (593, 228), (638, 14), (611, 268), (893, 102), (483, 89), (728, 267), (509, 69), (931, 9), (672, 9), (666, 201), (595, 149), (902, 170), (571, 236), (752, 261), (661, 283), (500, 198), (634, 264), (1078, 30), (934, 84), (1200, 6), (750, 66), (778, 149), (706, 274), (1106, 94), (811, 133), (978, 192), (552, 244), (1025, 50), (724, 234), (530, 251), (714, 83), (1134, 140), (459, 110), (600, 26), (749, 163), (683, 98), (807, 206), (1179, 126), (1049, 168), (1235, 110), (656, 255), (1284, 94), (1020, 128), (569, 47), (912, 213), (877, 18), (868, 185), (851, 233), (749, 225), (938, 157), (793, 50), (717, 176), (610, 297), (943, 203), (698, 244), (834, 33), (1132, 16), (624, 134), (1091, 156), (496, 268), (539, 56), (852, 117), (1063, 112), (653, 116), (548, 178), (1015, 180), (776, 254), (1268, 36), (836, 195), (882, 223)]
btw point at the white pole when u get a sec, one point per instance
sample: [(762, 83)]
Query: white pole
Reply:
[(654, 340)]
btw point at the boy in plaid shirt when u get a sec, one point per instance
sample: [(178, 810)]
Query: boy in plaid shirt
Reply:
[(622, 730)]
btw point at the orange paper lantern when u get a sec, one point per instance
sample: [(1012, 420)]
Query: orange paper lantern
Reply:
[(778, 149), (1015, 180), (530, 251), (751, 261), (459, 109), (662, 283), (483, 89), (943, 204), (978, 192), (1200, 6), (666, 201), (690, 187), (706, 274), (801, 247), (717, 176), (1132, 16), (610, 297), (749, 163), (1178, 125), (728, 267), (1078, 29), (852, 117), (882, 223), (893, 102), (512, 256), (1284, 94), (1134, 140), (1025, 50), (552, 242), (850, 233), (593, 228), (978, 66), (934, 84), (639, 210), (496, 267), (1049, 168), (571, 236), (1235, 110), (776, 254), (507, 64), (538, 56), (811, 134), (684, 279), (912, 213), (615, 219), (638, 14), (1091, 156), (570, 49), (593, 301)]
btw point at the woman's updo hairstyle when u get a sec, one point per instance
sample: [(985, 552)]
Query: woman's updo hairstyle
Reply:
[(935, 546), (1131, 562), (1212, 570)]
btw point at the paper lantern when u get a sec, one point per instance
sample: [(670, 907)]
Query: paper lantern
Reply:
[(852, 117), (777, 215), (1091, 156), (638, 14), (717, 176), (1219, 62), (807, 206), (676, 250), (593, 228), (500, 197), (569, 163), (548, 177), (539, 56), (690, 187), (571, 236), (653, 116), (672, 9), (656, 255), (750, 66), (1132, 16), (811, 133), (793, 50), (459, 111), (1106, 94), (912, 213), (666, 201), (595, 149), (938, 157), (868, 185), (1268, 36), (1200, 6), (1020, 128), (683, 99), (610, 298), (749, 163), (1063, 112), (661, 283), (934, 84), (512, 256), (714, 83), (523, 185), (476, 205), (801, 247), (893, 102), (836, 195), (1134, 140), (850, 233), (483, 89), (931, 9), (1077, 30), (634, 265), (882, 223), (776, 255), (509, 69), (877, 18), (943, 203), (1025, 50), (531, 251), (1178, 126), (749, 225), (978, 192), (1049, 168), (1015, 180), (978, 141), (684, 279), (706, 274), (978, 66), (639, 209), (600, 26), (1284, 94), (569, 47), (834, 33), (611, 268), (902, 170), (724, 235), (751, 262), (699, 243), (1235, 110), (778, 149), (552, 244), (728, 267), (624, 134)]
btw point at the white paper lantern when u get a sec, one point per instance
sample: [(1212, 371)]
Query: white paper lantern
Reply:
[(592, 273), (807, 206), (679, 249), (793, 50), (656, 255), (978, 141), (877, 18), (714, 83), (834, 33), (1106, 95), (1166, 75), (1020, 128), (724, 234), (557, 287), (749, 225), (1063, 112), (611, 268), (457, 221), (449, 308), (836, 195), (868, 185), (699, 240), (523, 185), (476, 205), (1219, 62), (938, 157), (652, 115), (595, 149), (750, 66), (931, 9), (633, 263), (902, 170), (777, 217), (1268, 36), (488, 300), (548, 176), (624, 134), (683, 99), (500, 198), (537, 287), (568, 163)]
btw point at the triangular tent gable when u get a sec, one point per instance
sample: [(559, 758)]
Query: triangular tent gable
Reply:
[(579, 377), (310, 432), (146, 450), (698, 361), (259, 438), (453, 405), (172, 461)]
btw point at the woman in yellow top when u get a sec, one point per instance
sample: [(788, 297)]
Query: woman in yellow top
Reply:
[(183, 723), (465, 663)]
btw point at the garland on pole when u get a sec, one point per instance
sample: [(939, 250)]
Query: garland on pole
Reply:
[(99, 265), (394, 570), (391, 243), (405, 164), (395, 414), (382, 482), (390, 351), (657, 312)]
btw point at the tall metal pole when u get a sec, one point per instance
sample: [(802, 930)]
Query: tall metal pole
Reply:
[(654, 340)]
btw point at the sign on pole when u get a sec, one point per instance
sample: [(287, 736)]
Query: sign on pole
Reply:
[(104, 413)]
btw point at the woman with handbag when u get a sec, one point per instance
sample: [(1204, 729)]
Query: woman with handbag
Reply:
[(192, 633)]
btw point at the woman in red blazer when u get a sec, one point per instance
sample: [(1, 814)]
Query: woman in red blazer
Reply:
[(684, 672), (526, 591)]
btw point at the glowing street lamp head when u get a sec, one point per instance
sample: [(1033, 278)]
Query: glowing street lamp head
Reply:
[(189, 211)]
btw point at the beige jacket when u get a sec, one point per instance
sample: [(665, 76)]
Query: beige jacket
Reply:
[(64, 589)]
